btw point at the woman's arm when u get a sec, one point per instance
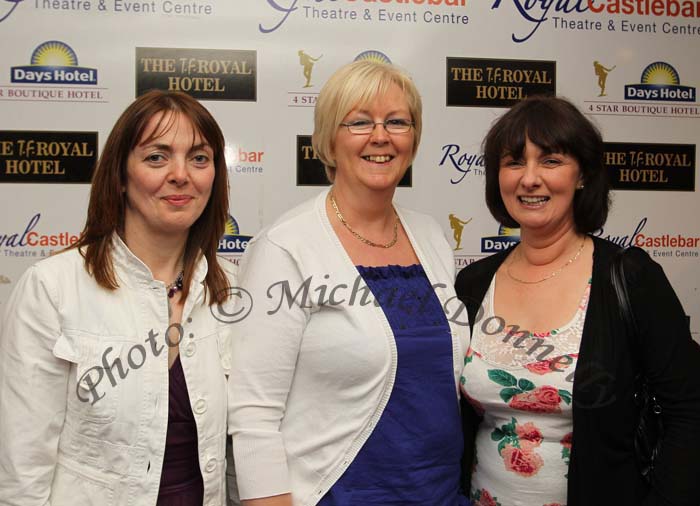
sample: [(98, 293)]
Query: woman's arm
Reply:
[(33, 390), (278, 500), (671, 361), (265, 346)]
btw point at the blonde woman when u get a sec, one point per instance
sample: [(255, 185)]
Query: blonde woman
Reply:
[(346, 390)]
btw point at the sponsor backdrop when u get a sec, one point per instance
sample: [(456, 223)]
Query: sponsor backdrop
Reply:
[(69, 67)]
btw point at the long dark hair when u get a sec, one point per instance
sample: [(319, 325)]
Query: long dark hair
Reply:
[(106, 209)]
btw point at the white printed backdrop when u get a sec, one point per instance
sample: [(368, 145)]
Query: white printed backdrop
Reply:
[(418, 35)]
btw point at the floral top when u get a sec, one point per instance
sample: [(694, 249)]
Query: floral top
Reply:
[(522, 384)]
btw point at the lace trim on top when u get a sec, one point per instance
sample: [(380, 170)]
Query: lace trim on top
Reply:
[(508, 348)]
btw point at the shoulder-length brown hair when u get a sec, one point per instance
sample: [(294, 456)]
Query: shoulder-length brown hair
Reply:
[(555, 125), (107, 201)]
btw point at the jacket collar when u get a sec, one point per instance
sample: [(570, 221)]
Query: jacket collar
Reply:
[(131, 270)]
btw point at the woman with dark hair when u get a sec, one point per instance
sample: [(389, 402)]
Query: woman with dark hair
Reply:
[(112, 365), (552, 367)]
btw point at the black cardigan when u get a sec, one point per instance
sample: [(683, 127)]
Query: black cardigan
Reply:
[(602, 468)]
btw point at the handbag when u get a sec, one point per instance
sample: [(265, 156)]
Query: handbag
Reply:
[(650, 430)]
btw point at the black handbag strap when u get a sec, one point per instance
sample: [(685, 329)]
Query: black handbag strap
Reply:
[(617, 275)]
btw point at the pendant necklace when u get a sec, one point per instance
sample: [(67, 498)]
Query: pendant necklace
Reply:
[(173, 288)]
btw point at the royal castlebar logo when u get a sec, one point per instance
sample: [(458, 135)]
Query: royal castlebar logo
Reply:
[(347, 12), (7, 9), (34, 241), (53, 62)]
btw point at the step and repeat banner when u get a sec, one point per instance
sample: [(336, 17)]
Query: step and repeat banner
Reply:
[(69, 67)]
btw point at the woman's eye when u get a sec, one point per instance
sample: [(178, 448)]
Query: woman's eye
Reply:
[(201, 159), (155, 158), (511, 163), (552, 161)]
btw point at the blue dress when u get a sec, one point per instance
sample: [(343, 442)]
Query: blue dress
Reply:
[(413, 455)]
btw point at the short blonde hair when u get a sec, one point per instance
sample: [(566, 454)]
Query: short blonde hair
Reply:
[(356, 85)]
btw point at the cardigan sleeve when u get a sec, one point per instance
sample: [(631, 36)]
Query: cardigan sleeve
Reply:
[(671, 361), (33, 393), (265, 347)]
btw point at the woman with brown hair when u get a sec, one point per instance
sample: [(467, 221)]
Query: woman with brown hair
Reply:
[(552, 366), (112, 364)]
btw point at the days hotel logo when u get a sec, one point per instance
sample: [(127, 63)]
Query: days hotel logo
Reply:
[(233, 242), (53, 62), (660, 81), (506, 239)]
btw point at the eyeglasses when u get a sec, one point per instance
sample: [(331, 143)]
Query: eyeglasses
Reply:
[(366, 127)]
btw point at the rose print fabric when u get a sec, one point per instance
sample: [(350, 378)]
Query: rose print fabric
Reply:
[(522, 383)]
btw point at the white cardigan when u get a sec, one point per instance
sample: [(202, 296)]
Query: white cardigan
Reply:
[(315, 359), (59, 444)]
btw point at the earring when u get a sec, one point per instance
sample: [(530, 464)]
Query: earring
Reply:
[(580, 186)]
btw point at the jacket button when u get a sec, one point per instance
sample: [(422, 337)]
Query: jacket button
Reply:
[(200, 406), (190, 349), (210, 465)]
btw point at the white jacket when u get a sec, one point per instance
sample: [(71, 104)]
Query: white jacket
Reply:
[(74, 433), (312, 379)]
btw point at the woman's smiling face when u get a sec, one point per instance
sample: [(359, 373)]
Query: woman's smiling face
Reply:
[(377, 160), (538, 188)]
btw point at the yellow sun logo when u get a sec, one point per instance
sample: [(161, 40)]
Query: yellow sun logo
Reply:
[(231, 227), (54, 54), (507, 231), (660, 73), (374, 56)]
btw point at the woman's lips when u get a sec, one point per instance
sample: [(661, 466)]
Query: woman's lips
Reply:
[(178, 200), (533, 201), (378, 158)]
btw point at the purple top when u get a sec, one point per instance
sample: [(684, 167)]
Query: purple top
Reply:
[(181, 481)]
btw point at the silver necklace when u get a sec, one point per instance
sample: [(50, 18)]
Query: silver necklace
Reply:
[(358, 236), (549, 276)]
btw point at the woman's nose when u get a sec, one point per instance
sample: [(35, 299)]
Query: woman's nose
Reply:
[(531, 174), (379, 134), (178, 171)]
